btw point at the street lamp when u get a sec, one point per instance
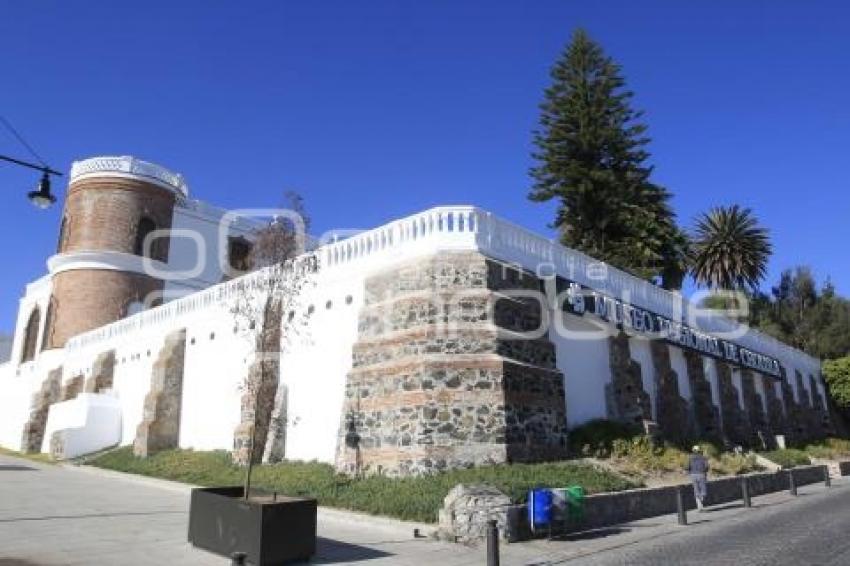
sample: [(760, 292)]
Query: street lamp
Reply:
[(41, 197)]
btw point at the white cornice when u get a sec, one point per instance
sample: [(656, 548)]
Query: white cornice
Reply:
[(129, 167), (105, 260)]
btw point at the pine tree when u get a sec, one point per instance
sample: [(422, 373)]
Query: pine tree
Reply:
[(591, 154)]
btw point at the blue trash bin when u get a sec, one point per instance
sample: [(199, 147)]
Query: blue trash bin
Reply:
[(539, 508)]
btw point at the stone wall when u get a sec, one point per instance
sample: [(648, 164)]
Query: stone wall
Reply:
[(795, 420), (72, 388), (735, 424), (468, 508), (671, 407), (757, 427), (259, 395), (823, 426), (706, 417), (439, 378), (33, 433), (626, 399), (775, 412), (102, 374), (160, 426)]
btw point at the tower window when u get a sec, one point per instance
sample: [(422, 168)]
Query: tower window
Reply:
[(239, 254), (143, 230), (31, 336)]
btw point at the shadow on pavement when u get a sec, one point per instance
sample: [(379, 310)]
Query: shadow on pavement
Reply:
[(16, 468), (16, 562), (329, 551), (591, 535)]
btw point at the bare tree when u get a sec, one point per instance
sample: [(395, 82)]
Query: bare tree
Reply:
[(270, 314)]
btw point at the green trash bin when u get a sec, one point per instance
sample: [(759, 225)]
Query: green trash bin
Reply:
[(575, 503)]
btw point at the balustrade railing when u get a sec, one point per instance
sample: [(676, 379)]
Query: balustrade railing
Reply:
[(129, 165), (465, 227)]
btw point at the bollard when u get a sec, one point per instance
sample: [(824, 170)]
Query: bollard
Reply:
[(745, 492), (492, 543), (792, 484), (680, 507), (827, 481), (238, 559)]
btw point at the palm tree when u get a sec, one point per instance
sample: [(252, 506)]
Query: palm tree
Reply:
[(729, 249)]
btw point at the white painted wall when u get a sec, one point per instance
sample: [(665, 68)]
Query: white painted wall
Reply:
[(5, 349), (314, 368), (586, 368), (91, 422), (197, 247)]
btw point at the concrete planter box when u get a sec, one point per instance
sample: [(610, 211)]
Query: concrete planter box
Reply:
[(268, 531)]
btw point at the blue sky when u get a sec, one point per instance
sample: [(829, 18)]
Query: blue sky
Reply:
[(378, 109)]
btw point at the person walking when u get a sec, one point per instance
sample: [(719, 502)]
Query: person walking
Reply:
[(698, 470)]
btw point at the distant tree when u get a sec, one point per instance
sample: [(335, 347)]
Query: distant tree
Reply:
[(285, 269), (591, 157), (798, 312), (836, 373), (730, 250)]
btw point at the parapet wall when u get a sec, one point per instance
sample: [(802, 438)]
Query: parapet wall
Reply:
[(376, 357)]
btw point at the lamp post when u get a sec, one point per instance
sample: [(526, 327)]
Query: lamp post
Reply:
[(41, 197)]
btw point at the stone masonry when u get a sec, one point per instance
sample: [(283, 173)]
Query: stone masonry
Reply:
[(71, 388), (626, 399), (775, 412), (102, 374), (705, 415), (258, 402), (33, 433), (671, 408), (821, 412), (160, 426), (439, 378), (795, 422), (757, 427), (735, 424)]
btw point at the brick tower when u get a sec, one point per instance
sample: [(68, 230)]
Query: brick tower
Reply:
[(100, 272)]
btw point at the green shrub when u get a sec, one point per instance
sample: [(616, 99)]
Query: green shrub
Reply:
[(728, 464), (829, 449), (596, 438), (416, 499), (788, 458)]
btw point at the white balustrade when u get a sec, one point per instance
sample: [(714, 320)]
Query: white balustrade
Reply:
[(464, 227), (131, 166)]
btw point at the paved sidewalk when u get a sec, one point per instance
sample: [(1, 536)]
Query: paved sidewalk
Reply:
[(61, 515)]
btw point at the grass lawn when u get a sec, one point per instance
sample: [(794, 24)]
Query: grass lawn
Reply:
[(413, 499)]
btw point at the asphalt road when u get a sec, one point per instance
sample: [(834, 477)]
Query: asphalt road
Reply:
[(813, 529)]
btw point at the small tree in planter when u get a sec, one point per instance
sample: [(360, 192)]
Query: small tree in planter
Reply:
[(227, 520)]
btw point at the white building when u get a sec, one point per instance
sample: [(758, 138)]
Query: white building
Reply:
[(447, 338)]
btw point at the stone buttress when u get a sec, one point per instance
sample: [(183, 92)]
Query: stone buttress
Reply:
[(625, 397), (671, 408), (160, 426), (438, 380), (706, 415)]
